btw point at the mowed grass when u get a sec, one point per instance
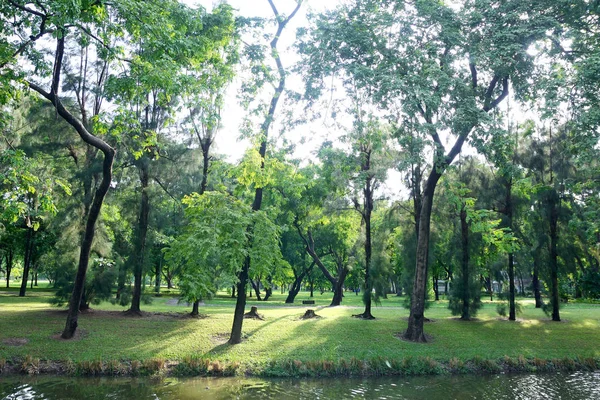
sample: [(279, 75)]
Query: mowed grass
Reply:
[(163, 332)]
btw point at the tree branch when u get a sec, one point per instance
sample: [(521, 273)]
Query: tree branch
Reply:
[(473, 69), (501, 97)]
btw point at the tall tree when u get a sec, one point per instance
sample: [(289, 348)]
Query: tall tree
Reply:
[(281, 21), (449, 66)]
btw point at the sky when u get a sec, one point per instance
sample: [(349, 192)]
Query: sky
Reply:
[(308, 138), (227, 141)]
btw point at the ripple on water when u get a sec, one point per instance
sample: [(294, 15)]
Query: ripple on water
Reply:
[(575, 386)]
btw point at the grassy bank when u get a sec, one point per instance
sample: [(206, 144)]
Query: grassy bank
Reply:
[(165, 340)]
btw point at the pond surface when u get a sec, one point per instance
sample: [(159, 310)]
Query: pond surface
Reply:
[(579, 385)]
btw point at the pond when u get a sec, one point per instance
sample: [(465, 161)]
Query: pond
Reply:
[(578, 385)]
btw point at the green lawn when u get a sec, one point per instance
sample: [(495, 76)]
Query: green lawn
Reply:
[(282, 336)]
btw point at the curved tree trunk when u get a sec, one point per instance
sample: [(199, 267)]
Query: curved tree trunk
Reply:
[(109, 154), (297, 284), (338, 287)]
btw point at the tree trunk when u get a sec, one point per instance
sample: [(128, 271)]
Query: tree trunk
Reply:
[(338, 288), (86, 245), (466, 293), (415, 332), (368, 208), (233, 292), (256, 287), (512, 315), (297, 284), (238, 318), (195, 312), (142, 230), (26, 261), (555, 298), (158, 275), (9, 265), (536, 281), (240, 304)]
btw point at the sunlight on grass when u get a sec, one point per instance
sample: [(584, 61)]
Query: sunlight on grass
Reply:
[(167, 332)]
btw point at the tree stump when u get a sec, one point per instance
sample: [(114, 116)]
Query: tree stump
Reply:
[(310, 314), (253, 313)]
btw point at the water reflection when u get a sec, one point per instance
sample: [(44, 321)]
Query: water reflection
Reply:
[(580, 385)]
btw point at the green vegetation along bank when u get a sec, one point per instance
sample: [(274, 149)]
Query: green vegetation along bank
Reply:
[(165, 340)]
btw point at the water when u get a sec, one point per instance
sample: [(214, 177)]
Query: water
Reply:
[(575, 386)]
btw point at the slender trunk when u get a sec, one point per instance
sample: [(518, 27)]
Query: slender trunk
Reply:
[(36, 276), (536, 281), (554, 256), (512, 315), (415, 332), (142, 230), (9, 265), (240, 304), (312, 289), (26, 261), (86, 245), (233, 292), (158, 275), (256, 287), (238, 318), (466, 293), (367, 296), (435, 288), (511, 265), (522, 287)]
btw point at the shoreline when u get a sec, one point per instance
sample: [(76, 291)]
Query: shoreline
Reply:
[(347, 368)]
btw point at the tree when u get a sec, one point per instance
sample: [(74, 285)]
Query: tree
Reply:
[(281, 21), (448, 66)]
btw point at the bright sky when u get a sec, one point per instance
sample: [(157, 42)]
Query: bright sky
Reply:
[(227, 141)]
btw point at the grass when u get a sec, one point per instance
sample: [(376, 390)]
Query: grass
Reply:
[(284, 345)]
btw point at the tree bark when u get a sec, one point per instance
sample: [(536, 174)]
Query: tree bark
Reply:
[(238, 318), (142, 231), (256, 287), (555, 297), (9, 265), (109, 154), (338, 287), (195, 309), (240, 304), (466, 293), (158, 273), (415, 332), (297, 284), (26, 261), (366, 214)]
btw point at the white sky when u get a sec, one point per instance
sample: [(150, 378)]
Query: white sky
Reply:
[(313, 134), (227, 140)]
